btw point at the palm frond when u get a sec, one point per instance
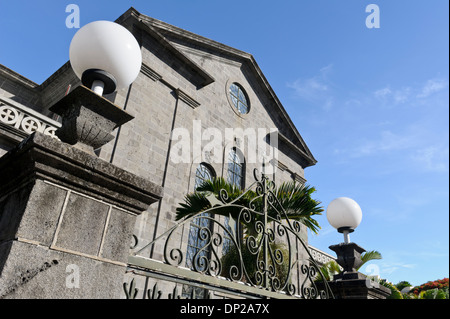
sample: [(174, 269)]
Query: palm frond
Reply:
[(369, 255), (295, 200)]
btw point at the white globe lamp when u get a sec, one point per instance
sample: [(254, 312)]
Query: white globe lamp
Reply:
[(345, 215), (105, 56)]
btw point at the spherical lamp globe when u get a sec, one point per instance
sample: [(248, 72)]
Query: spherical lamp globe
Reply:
[(344, 213), (105, 56)]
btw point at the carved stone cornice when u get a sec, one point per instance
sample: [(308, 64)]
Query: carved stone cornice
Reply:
[(24, 121), (187, 99)]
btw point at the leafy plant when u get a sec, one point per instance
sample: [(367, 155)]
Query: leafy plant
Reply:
[(295, 199), (402, 284), (434, 293), (441, 283), (368, 256), (395, 293), (437, 289), (328, 270), (250, 262)]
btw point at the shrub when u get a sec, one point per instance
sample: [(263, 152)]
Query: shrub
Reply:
[(434, 293), (231, 258), (395, 293), (436, 284), (402, 284)]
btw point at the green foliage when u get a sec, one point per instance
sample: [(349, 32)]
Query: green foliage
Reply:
[(332, 268), (439, 284), (437, 289), (402, 284), (395, 293), (232, 258), (368, 256), (434, 294), (295, 199), (200, 200), (328, 270)]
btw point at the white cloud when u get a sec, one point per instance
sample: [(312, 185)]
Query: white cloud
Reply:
[(402, 95), (432, 86), (387, 141), (315, 89), (398, 96), (408, 94), (383, 93), (389, 268), (433, 158)]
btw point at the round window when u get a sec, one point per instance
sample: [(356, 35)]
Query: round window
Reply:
[(239, 98)]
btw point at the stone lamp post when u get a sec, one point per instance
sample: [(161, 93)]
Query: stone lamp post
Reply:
[(345, 215), (67, 216), (106, 57)]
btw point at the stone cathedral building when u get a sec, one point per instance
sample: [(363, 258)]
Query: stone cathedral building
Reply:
[(201, 109)]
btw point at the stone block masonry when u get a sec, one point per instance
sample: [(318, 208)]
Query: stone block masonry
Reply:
[(66, 221)]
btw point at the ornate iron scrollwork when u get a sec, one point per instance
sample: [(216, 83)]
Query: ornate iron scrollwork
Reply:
[(263, 244)]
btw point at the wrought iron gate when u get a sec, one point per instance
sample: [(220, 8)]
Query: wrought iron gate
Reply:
[(260, 262)]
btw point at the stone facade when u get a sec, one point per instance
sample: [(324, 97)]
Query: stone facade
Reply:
[(184, 84), (65, 210)]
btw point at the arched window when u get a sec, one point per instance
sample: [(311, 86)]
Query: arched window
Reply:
[(203, 173), (236, 168), (235, 176)]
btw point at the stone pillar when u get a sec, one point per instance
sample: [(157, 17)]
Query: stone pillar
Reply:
[(66, 221), (351, 284), (358, 289)]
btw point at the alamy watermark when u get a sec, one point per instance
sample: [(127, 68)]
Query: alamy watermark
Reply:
[(373, 19), (373, 276), (73, 277), (257, 145), (73, 19)]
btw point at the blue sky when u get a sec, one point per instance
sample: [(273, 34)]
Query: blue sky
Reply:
[(372, 104)]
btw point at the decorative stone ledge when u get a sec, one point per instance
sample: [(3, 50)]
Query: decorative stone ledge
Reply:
[(24, 119), (319, 256), (187, 99)]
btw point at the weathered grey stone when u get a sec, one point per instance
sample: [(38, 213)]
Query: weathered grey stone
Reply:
[(88, 119), (82, 225), (61, 211), (120, 226), (39, 224), (52, 274), (12, 207)]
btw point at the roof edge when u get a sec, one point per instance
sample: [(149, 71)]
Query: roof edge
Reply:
[(13, 75)]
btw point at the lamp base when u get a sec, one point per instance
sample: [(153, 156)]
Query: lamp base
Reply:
[(348, 256), (88, 119), (345, 229), (349, 276)]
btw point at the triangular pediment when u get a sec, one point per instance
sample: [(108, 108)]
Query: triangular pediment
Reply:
[(168, 38)]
